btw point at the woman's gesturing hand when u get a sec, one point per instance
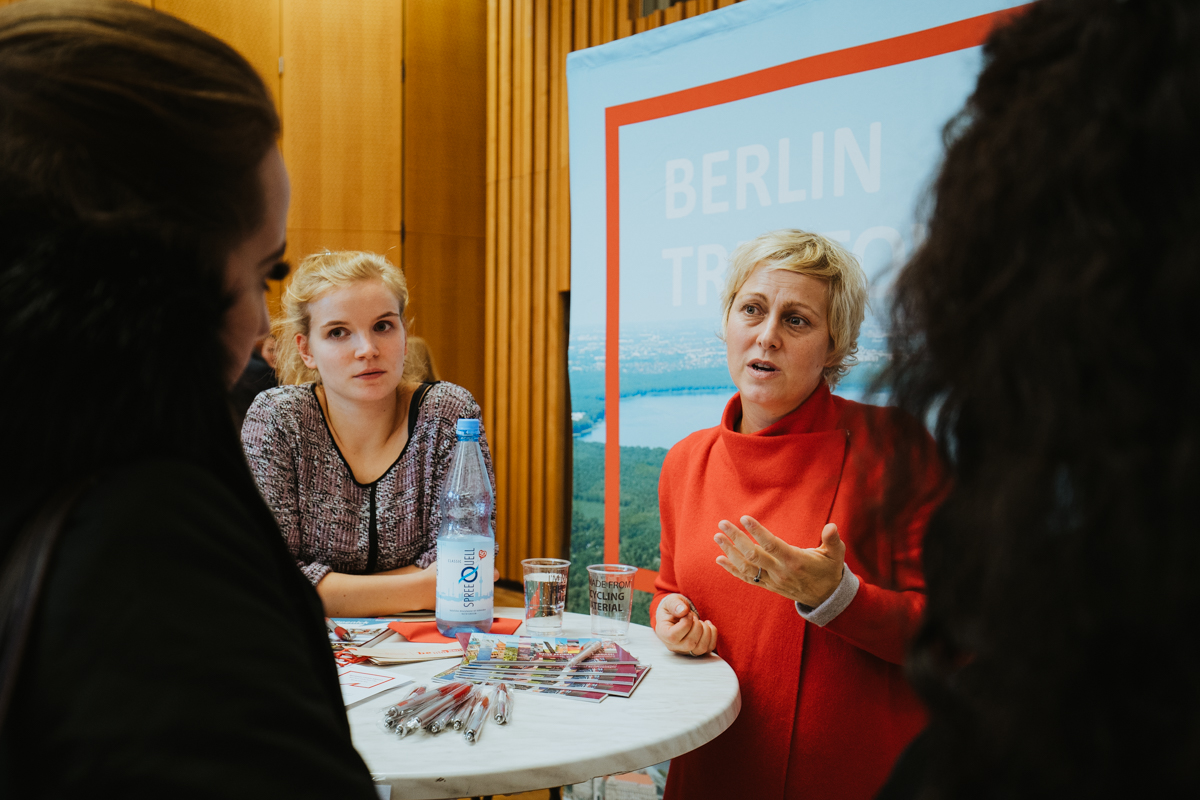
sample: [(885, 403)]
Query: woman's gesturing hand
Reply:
[(681, 629), (806, 575)]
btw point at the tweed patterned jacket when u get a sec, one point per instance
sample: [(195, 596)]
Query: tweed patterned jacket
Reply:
[(331, 521)]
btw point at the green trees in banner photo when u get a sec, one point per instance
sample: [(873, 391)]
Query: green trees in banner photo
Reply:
[(640, 525)]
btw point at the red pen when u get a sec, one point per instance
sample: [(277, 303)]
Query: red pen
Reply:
[(337, 630)]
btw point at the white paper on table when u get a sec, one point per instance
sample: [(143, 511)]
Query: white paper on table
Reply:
[(359, 682), (400, 652)]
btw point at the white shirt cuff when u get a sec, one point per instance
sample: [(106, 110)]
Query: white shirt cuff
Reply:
[(835, 604)]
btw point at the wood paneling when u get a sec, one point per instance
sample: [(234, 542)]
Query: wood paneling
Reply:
[(252, 27), (444, 168), (305, 241), (146, 3), (528, 275), (249, 26), (342, 113), (447, 296), (445, 67), (467, 155)]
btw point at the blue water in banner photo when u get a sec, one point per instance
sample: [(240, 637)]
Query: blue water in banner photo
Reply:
[(850, 155)]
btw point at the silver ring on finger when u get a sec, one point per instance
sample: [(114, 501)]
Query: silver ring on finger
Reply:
[(758, 578), (691, 653)]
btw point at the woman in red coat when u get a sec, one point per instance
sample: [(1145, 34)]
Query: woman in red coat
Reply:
[(812, 596)]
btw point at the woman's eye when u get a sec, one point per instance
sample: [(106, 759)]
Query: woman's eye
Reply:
[(750, 308), (383, 325), (796, 321), (337, 333)]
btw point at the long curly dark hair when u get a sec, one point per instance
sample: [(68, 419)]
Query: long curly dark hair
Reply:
[(1046, 325), (129, 149)]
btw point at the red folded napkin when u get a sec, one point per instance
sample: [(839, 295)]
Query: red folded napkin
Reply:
[(428, 632)]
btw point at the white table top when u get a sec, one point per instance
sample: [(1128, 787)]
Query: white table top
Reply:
[(554, 741)]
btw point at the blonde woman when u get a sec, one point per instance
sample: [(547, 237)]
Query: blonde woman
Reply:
[(349, 453), (778, 550)]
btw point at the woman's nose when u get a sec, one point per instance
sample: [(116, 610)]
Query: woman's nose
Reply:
[(768, 335), (366, 347)]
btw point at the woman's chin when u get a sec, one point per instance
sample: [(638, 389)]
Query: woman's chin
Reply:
[(773, 400), (369, 391), (765, 397)]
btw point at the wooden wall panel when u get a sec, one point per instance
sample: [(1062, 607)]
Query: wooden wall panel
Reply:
[(249, 26), (528, 270), (444, 168), (447, 298), (303, 242), (498, 261), (469, 157), (519, 312), (146, 3), (252, 27), (342, 113)]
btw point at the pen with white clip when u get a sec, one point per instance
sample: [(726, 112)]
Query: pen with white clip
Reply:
[(442, 720), (396, 716), (460, 716), (428, 713), (419, 697), (503, 704), (479, 715), (584, 654)]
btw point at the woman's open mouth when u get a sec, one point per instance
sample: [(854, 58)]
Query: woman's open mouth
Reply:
[(762, 367)]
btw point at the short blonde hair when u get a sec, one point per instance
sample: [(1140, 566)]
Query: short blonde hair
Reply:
[(315, 276), (808, 254)]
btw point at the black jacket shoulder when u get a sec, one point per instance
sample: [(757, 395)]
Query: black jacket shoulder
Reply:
[(177, 649)]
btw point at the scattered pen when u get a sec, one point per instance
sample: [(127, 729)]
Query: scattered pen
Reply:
[(442, 720), (464, 711), (503, 704), (417, 698), (584, 654), (406, 708), (337, 630), (479, 715), (381, 637), (428, 713)]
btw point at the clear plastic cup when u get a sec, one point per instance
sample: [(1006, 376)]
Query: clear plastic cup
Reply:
[(545, 595), (610, 595)]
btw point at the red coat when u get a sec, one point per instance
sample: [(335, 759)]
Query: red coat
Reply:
[(825, 711)]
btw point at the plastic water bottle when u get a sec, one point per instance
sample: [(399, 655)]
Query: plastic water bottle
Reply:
[(466, 544)]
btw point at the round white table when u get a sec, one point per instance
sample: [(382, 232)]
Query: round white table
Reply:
[(554, 741)]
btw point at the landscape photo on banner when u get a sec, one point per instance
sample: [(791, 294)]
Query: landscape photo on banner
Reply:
[(692, 138)]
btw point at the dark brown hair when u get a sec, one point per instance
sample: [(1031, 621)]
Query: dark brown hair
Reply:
[(129, 152), (1047, 323)]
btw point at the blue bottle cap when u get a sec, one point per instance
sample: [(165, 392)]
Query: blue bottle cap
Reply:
[(467, 430)]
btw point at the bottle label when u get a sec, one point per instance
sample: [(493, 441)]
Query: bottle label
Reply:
[(464, 577)]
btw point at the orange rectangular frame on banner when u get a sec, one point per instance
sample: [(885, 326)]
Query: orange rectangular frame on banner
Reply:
[(937, 41)]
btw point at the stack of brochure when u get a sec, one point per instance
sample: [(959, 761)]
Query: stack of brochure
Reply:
[(539, 665), (371, 638)]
